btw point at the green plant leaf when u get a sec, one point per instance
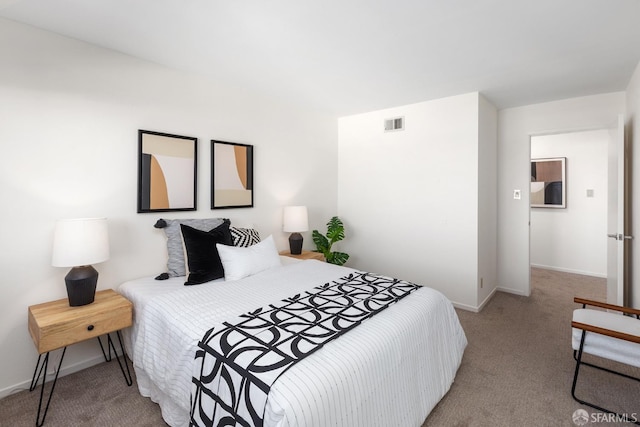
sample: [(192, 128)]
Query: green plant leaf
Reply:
[(322, 244), (335, 230), (337, 258)]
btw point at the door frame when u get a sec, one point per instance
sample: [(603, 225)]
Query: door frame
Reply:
[(527, 197)]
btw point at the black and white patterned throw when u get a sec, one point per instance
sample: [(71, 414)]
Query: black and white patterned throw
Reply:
[(237, 362)]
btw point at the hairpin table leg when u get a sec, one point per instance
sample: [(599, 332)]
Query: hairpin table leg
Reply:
[(111, 346), (34, 383)]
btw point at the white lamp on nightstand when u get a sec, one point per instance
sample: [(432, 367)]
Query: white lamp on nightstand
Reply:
[(78, 243), (295, 220)]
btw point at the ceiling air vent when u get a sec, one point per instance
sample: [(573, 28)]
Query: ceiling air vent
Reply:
[(393, 124)]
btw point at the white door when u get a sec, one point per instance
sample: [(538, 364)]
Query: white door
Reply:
[(617, 238)]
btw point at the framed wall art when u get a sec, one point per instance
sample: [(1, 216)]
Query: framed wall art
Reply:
[(166, 172), (231, 175), (548, 183)]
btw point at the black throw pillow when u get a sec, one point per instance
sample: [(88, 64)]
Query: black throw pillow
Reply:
[(202, 256)]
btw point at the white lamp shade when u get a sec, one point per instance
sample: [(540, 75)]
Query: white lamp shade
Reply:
[(295, 219), (78, 242)]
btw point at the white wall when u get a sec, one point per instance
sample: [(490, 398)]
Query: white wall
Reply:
[(515, 127), (410, 198), (69, 115), (574, 239), (633, 133)]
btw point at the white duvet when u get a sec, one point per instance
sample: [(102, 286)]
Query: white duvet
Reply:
[(389, 371)]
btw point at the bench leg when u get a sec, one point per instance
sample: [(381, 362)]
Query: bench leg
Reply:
[(579, 362)]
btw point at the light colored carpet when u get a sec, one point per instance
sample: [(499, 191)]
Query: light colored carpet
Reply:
[(516, 371), (518, 367)]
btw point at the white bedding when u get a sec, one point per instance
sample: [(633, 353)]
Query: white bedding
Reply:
[(389, 371)]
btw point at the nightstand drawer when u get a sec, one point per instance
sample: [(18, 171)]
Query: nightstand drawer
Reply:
[(56, 325)]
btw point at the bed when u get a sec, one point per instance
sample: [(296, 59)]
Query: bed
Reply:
[(389, 370)]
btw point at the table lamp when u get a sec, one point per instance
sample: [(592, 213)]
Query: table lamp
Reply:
[(295, 220), (78, 243)]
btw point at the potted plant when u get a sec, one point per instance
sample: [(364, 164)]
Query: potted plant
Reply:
[(335, 233)]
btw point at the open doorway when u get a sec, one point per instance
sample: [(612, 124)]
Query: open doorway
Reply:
[(572, 239)]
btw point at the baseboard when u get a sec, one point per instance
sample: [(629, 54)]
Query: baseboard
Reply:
[(487, 299), (465, 307), (569, 270), (513, 291), (472, 308), (65, 370)]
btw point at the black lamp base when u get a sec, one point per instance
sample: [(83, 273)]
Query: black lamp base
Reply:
[(81, 285), (295, 243)]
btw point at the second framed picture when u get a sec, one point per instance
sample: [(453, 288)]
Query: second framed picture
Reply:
[(231, 175)]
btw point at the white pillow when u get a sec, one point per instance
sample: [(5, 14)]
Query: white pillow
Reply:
[(239, 262)]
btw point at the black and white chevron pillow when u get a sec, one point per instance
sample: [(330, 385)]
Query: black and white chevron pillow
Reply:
[(244, 237)]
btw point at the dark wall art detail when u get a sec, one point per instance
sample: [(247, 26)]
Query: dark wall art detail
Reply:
[(166, 172), (231, 175), (548, 183)]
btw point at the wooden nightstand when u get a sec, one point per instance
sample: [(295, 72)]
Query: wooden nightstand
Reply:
[(305, 255), (55, 325)]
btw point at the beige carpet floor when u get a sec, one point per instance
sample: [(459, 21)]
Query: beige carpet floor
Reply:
[(518, 366), (516, 371)]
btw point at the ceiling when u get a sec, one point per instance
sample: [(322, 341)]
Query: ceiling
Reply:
[(353, 56)]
